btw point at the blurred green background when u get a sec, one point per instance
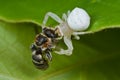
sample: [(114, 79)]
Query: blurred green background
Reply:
[(96, 56)]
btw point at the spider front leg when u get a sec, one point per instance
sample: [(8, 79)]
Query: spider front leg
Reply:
[(53, 16), (68, 13), (68, 43), (65, 16)]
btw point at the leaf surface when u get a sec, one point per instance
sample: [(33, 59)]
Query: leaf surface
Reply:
[(104, 13), (95, 56)]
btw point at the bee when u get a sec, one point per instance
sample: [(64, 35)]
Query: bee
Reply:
[(39, 58), (42, 47)]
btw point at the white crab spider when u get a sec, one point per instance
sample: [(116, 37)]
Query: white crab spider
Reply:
[(70, 24)]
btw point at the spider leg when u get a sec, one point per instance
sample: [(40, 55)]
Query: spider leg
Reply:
[(76, 34), (64, 17), (68, 43), (53, 16), (77, 37), (80, 33), (68, 13)]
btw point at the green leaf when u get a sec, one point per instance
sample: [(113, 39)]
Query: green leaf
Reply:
[(104, 13), (95, 57)]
